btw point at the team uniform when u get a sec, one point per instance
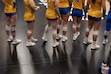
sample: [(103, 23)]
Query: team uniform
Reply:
[(77, 8), (10, 11), (64, 9), (29, 15), (9, 8), (64, 6), (51, 13), (108, 26), (52, 16), (94, 13)]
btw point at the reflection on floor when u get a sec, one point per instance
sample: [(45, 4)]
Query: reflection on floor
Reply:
[(71, 57)]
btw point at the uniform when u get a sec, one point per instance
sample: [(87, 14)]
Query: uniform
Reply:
[(77, 8), (50, 12), (64, 6), (9, 8), (29, 14), (94, 12)]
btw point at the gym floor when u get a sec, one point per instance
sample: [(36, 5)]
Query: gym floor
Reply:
[(71, 57)]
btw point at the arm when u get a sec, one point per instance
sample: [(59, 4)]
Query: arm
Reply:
[(70, 3), (14, 2), (104, 7), (33, 5), (86, 7), (57, 8)]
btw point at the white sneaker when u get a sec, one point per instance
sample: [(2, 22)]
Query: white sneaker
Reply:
[(104, 68), (105, 41), (64, 38), (16, 41), (34, 40), (87, 41), (10, 38), (58, 36), (74, 37), (95, 46), (55, 44), (29, 43), (44, 38), (78, 33)]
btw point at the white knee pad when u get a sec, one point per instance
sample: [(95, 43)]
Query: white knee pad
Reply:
[(29, 31), (78, 25), (47, 26), (88, 30), (74, 26), (106, 32), (64, 28), (95, 32), (7, 27)]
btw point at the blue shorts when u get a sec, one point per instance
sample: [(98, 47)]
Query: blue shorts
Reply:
[(52, 18), (108, 22), (10, 14), (77, 12), (94, 18), (32, 21), (64, 10)]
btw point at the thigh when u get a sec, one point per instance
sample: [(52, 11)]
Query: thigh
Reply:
[(30, 24), (13, 19), (96, 25)]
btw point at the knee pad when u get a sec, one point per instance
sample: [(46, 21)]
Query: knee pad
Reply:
[(47, 27), (29, 31), (88, 30), (95, 32), (78, 25), (58, 26), (64, 28), (7, 27), (74, 26), (106, 32)]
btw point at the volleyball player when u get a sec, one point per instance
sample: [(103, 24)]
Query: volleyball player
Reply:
[(94, 21), (29, 17), (11, 17)]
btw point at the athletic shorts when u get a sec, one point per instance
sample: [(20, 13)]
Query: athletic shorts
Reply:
[(30, 21), (52, 18), (94, 18), (64, 10), (77, 12), (10, 14)]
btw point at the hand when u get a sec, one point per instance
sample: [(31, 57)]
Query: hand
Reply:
[(37, 7), (84, 17)]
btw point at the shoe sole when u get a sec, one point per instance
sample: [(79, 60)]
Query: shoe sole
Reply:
[(16, 43)]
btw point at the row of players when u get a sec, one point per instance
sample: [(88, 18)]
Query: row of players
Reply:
[(58, 9), (52, 15)]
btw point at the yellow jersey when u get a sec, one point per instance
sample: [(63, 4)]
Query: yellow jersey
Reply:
[(63, 3), (51, 12), (95, 9), (78, 4), (29, 14), (9, 6)]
